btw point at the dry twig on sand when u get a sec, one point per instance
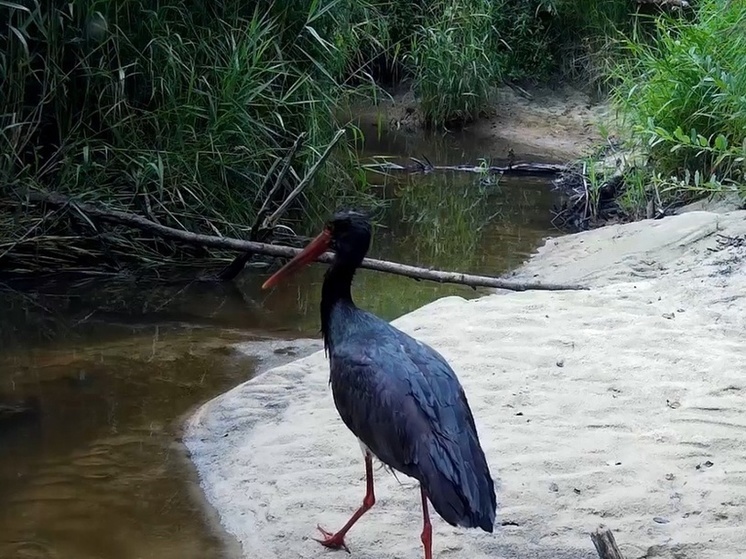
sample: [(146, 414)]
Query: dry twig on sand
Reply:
[(605, 544)]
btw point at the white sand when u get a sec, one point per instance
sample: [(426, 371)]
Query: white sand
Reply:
[(642, 427)]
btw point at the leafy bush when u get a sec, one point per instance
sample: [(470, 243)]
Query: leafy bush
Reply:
[(683, 97)]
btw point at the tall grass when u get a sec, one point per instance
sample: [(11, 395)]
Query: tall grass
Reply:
[(176, 109), (588, 36), (451, 60), (461, 50), (682, 97)]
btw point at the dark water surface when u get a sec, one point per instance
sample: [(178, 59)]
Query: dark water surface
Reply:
[(107, 369)]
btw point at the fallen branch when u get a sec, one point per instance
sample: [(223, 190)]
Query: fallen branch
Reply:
[(518, 169), (199, 239), (605, 544)]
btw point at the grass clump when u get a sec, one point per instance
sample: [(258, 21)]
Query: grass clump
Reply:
[(451, 61), (459, 51), (681, 96)]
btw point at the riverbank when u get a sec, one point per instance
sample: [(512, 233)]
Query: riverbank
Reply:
[(622, 404), (559, 123)]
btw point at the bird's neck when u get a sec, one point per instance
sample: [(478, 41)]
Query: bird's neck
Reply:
[(335, 291)]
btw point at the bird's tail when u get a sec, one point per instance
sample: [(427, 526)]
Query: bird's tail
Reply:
[(457, 479)]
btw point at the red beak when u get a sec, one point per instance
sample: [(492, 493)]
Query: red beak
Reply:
[(315, 248)]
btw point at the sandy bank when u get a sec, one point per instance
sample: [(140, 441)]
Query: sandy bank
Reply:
[(559, 123), (624, 404)]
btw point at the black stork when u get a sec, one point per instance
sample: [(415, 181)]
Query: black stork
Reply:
[(397, 395)]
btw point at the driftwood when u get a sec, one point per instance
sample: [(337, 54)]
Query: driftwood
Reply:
[(228, 243), (605, 544), (517, 169)]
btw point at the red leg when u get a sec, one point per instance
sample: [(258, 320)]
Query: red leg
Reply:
[(336, 541), (427, 528)]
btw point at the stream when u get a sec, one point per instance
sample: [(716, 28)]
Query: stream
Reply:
[(109, 368)]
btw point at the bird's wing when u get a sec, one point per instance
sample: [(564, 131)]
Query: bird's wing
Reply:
[(398, 387)]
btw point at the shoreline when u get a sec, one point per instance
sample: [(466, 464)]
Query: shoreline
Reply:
[(619, 405), (560, 123)]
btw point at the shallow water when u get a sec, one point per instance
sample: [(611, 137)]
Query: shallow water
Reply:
[(107, 369)]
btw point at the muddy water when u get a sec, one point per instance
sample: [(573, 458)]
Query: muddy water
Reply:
[(106, 369)]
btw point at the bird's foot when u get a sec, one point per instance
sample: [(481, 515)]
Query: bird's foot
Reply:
[(332, 541)]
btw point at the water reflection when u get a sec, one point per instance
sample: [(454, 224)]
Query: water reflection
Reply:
[(93, 472), (104, 369), (446, 220), (92, 467)]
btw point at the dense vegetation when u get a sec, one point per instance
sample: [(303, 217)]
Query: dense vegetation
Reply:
[(683, 98), (458, 51), (186, 111), (174, 109)]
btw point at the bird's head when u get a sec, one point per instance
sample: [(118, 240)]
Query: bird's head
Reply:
[(347, 233)]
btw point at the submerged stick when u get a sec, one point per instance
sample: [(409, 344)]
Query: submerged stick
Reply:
[(605, 544), (210, 241)]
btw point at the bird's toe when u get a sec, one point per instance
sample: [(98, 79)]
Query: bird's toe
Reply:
[(332, 541)]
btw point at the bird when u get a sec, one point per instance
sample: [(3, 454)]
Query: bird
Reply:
[(396, 394)]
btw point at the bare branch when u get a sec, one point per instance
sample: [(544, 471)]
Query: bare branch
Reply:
[(271, 221), (139, 222)]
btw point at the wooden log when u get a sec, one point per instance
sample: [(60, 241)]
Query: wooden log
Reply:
[(229, 243), (605, 544), (516, 169)]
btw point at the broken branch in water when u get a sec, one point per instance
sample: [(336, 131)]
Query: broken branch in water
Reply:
[(605, 544), (272, 220), (515, 169), (263, 226), (210, 241), (258, 232)]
